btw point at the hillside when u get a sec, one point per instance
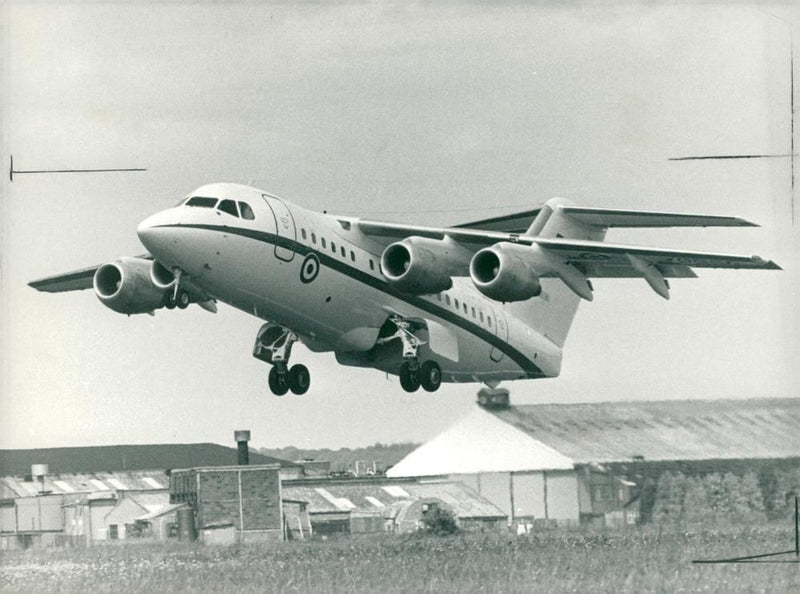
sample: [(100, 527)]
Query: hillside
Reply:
[(343, 459), (123, 457)]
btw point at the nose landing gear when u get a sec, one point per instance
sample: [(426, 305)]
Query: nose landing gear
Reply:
[(274, 345)]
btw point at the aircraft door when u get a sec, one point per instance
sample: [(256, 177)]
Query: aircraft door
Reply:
[(501, 331), (285, 227)]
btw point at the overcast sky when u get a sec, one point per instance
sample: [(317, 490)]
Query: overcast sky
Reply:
[(426, 114)]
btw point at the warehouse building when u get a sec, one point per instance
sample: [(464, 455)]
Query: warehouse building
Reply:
[(374, 505), (559, 464)]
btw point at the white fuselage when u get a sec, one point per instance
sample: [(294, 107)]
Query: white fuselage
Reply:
[(318, 275)]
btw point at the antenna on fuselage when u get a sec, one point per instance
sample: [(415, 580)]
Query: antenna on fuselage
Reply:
[(12, 171)]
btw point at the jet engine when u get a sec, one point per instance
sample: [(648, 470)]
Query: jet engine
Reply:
[(502, 274), (423, 266), (162, 277), (126, 287)]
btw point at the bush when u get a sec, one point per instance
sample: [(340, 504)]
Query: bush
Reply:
[(440, 521)]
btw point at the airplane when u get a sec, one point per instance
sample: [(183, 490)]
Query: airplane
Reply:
[(486, 301)]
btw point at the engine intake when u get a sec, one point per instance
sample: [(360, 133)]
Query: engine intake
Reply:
[(503, 275), (423, 266), (126, 287)]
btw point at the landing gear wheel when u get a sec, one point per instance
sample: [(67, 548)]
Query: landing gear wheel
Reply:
[(170, 303), (278, 381), (183, 300), (409, 377), (430, 376), (299, 379)]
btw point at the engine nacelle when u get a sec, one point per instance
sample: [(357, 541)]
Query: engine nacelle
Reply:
[(423, 266), (502, 274), (126, 287), (162, 277)]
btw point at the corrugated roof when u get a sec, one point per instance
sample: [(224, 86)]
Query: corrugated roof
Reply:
[(480, 442), (88, 483), (374, 497), (664, 430)]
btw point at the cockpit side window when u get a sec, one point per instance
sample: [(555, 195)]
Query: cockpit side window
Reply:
[(202, 202), (228, 206), (247, 212)]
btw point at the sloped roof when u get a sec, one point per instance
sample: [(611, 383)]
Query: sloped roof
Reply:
[(664, 430), (126, 457), (67, 484), (379, 495), (150, 502), (480, 442)]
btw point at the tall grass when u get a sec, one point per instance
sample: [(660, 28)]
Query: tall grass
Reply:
[(640, 560)]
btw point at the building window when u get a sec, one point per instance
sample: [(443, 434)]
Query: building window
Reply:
[(113, 532)]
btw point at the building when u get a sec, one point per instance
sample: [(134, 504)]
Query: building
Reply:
[(55, 509), (565, 464), (372, 505), (240, 503)]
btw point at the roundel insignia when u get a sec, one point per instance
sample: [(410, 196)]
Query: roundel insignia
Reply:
[(310, 268)]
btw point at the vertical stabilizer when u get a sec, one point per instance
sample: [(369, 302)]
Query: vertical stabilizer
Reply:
[(552, 312)]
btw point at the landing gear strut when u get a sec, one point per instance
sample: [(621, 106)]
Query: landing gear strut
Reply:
[(274, 345), (412, 375)]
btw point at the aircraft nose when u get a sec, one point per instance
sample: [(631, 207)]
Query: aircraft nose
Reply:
[(152, 233)]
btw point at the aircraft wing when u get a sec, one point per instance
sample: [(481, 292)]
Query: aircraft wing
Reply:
[(77, 280), (601, 259)]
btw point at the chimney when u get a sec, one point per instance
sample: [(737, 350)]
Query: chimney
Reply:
[(38, 472), (242, 437)]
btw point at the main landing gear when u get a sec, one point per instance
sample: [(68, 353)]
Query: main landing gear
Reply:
[(412, 374), (274, 345)]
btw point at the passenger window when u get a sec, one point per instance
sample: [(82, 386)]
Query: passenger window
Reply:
[(447, 299), (247, 212), (480, 313), (439, 296), (465, 308), (322, 241), (344, 252), (352, 255), (489, 320), (303, 233), (473, 313), (372, 267), (228, 206), (456, 302), (333, 247), (313, 237), (202, 202)]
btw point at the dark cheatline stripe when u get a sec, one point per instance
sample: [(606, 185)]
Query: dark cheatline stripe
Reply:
[(342, 267)]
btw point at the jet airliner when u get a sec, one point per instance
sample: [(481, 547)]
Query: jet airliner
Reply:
[(486, 301)]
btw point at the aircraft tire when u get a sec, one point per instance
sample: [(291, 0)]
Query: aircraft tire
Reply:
[(409, 378), (278, 382), (183, 299), (299, 379), (430, 376)]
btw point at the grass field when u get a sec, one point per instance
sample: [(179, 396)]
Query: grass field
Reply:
[(640, 560)]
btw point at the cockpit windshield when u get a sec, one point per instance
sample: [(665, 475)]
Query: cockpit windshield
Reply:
[(202, 202)]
